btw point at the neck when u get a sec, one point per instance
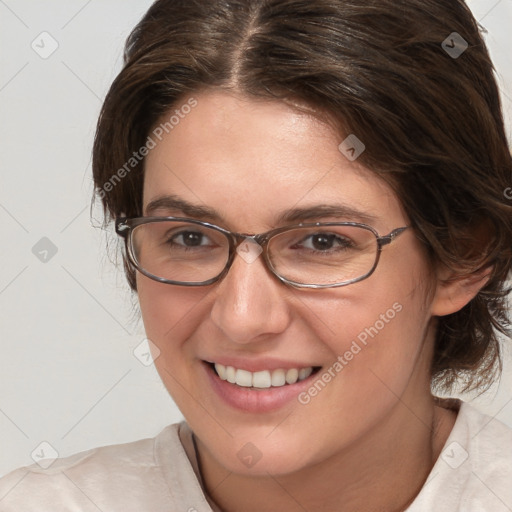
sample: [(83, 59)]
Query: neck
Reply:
[(384, 470)]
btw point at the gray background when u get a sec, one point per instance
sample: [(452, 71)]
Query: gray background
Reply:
[(69, 326)]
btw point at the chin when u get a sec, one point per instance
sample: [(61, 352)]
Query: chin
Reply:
[(258, 454)]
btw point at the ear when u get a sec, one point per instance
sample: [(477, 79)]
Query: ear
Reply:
[(454, 292)]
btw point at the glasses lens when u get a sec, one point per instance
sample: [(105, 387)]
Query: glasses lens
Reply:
[(323, 255), (180, 251)]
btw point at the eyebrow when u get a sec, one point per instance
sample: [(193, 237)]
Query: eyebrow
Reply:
[(177, 206)]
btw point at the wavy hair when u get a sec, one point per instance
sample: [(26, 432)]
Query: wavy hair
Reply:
[(395, 73)]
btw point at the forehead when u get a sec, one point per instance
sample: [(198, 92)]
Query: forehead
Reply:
[(250, 159)]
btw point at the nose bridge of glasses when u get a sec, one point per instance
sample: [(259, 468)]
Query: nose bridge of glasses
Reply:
[(249, 247), (261, 239)]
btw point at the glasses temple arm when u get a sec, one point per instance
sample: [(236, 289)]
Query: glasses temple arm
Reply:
[(387, 239)]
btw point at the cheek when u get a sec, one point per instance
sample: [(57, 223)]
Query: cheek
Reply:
[(170, 316), (369, 340), (168, 312), (375, 331), (377, 353), (391, 307)]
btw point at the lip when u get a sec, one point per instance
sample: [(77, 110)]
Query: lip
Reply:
[(255, 400)]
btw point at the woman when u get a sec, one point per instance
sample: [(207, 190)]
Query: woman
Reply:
[(311, 196)]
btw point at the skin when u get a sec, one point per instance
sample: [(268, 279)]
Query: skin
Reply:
[(369, 439)]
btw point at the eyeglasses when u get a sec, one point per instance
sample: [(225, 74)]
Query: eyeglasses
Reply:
[(190, 252)]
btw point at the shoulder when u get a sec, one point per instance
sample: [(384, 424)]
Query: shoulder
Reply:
[(131, 476), (474, 470)]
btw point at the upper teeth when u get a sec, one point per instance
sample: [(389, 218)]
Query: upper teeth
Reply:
[(264, 378)]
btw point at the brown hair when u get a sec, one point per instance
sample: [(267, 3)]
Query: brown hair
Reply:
[(430, 120)]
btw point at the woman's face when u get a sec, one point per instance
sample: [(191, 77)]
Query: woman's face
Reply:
[(249, 161)]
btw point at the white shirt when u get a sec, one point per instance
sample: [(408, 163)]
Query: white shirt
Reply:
[(472, 474)]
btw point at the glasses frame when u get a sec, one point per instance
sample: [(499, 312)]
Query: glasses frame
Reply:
[(124, 227)]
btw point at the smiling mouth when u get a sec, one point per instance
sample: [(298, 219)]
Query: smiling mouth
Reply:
[(264, 379)]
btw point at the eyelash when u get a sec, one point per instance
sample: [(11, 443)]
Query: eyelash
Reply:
[(344, 243)]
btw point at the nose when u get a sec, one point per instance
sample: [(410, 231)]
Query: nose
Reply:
[(249, 301)]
